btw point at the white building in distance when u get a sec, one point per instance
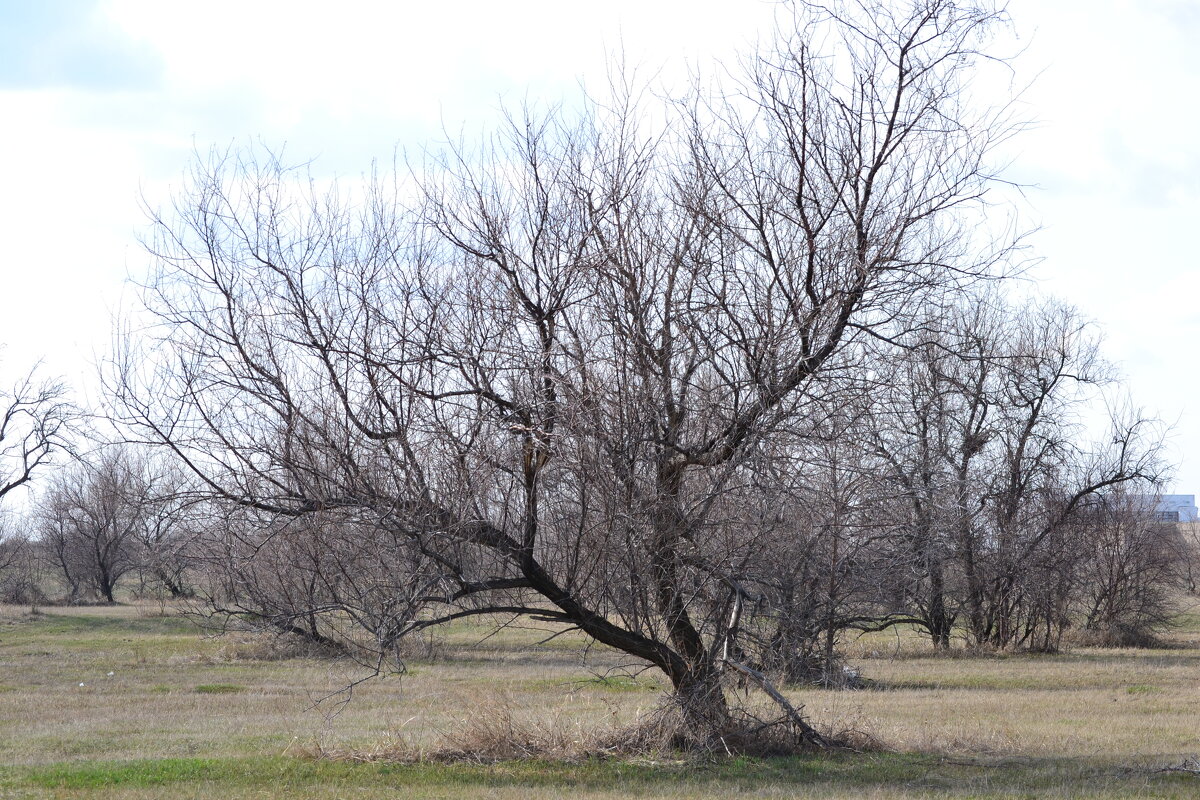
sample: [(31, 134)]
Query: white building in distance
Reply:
[(1175, 508)]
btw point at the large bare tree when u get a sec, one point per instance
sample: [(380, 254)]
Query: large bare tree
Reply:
[(554, 363)]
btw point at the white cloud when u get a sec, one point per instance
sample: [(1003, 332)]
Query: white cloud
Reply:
[(54, 44)]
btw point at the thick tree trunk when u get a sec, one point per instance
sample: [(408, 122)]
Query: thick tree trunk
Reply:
[(174, 586), (702, 702), (976, 616), (940, 621), (696, 678)]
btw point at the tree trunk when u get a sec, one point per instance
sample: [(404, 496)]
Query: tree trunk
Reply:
[(940, 621), (702, 702), (696, 678)]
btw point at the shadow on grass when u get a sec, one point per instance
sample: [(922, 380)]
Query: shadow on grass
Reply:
[(51, 624), (839, 775)]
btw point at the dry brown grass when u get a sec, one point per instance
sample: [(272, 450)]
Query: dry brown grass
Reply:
[(149, 707), (1120, 704), (495, 733), (487, 696)]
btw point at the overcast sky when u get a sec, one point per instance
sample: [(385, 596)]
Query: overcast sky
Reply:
[(104, 101)]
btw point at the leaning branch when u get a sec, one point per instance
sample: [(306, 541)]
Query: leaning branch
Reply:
[(807, 732)]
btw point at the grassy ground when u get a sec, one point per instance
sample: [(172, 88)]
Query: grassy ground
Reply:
[(112, 702)]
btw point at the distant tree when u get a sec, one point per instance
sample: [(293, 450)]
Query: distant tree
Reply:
[(326, 578), (809, 549), (89, 519), (1131, 569), (12, 542), (1189, 532), (36, 419), (980, 431), (14, 550), (168, 525), (932, 421)]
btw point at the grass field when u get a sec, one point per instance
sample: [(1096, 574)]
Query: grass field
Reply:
[(124, 701)]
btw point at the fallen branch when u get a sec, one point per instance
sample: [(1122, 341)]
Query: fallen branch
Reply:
[(1189, 766), (807, 732)]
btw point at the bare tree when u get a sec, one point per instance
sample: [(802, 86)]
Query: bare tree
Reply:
[(1131, 568), (14, 550), (35, 419), (168, 523), (981, 434), (1189, 533), (35, 424), (550, 373), (931, 425), (89, 519), (12, 542), (1043, 476), (325, 578), (823, 570)]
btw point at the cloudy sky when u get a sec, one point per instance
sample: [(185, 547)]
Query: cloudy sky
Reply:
[(105, 100)]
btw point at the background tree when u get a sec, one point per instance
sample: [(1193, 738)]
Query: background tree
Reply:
[(981, 433), (1131, 569), (35, 425), (168, 523), (810, 554), (89, 520), (16, 552), (932, 421), (1190, 534), (325, 578), (12, 542)]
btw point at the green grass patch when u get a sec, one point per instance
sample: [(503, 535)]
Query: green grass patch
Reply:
[(219, 688), (75, 625), (617, 684), (1186, 622), (623, 683), (1142, 688), (837, 775), (125, 638), (131, 774), (862, 770)]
